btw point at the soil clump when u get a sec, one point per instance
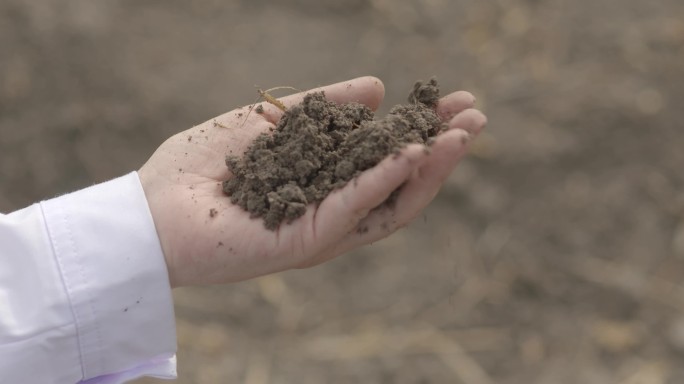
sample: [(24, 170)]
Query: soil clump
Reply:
[(318, 146)]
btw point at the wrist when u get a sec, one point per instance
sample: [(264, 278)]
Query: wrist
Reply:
[(149, 188)]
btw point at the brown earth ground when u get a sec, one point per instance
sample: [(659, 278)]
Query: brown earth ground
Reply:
[(555, 254)]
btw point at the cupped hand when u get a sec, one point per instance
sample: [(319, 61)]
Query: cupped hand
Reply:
[(208, 240)]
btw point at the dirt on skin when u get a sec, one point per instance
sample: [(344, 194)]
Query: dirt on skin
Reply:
[(319, 146)]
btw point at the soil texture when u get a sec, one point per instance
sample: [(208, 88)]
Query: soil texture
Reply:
[(318, 146)]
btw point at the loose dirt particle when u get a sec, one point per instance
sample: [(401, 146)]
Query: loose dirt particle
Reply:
[(213, 212), (318, 146)]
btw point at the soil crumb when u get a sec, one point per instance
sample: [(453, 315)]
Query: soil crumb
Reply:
[(319, 146)]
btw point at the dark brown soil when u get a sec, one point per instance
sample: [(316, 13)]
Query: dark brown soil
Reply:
[(318, 146)]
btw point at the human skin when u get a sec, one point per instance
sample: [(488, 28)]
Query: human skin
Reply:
[(182, 183)]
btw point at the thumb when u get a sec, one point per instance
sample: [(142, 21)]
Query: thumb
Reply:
[(366, 90)]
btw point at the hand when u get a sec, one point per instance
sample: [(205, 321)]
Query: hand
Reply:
[(208, 240)]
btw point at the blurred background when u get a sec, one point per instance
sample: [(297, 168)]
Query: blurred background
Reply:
[(554, 254)]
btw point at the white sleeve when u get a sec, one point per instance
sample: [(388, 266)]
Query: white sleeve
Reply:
[(84, 290)]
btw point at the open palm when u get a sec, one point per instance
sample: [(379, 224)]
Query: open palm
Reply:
[(208, 240)]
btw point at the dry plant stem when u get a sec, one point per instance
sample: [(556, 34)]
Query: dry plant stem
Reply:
[(269, 99), (272, 100)]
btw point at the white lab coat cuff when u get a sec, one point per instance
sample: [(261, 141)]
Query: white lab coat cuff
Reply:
[(115, 276)]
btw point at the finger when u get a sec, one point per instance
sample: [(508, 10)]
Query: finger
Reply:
[(447, 151), (366, 90), (423, 184), (470, 120), (453, 103), (342, 210), (415, 195)]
